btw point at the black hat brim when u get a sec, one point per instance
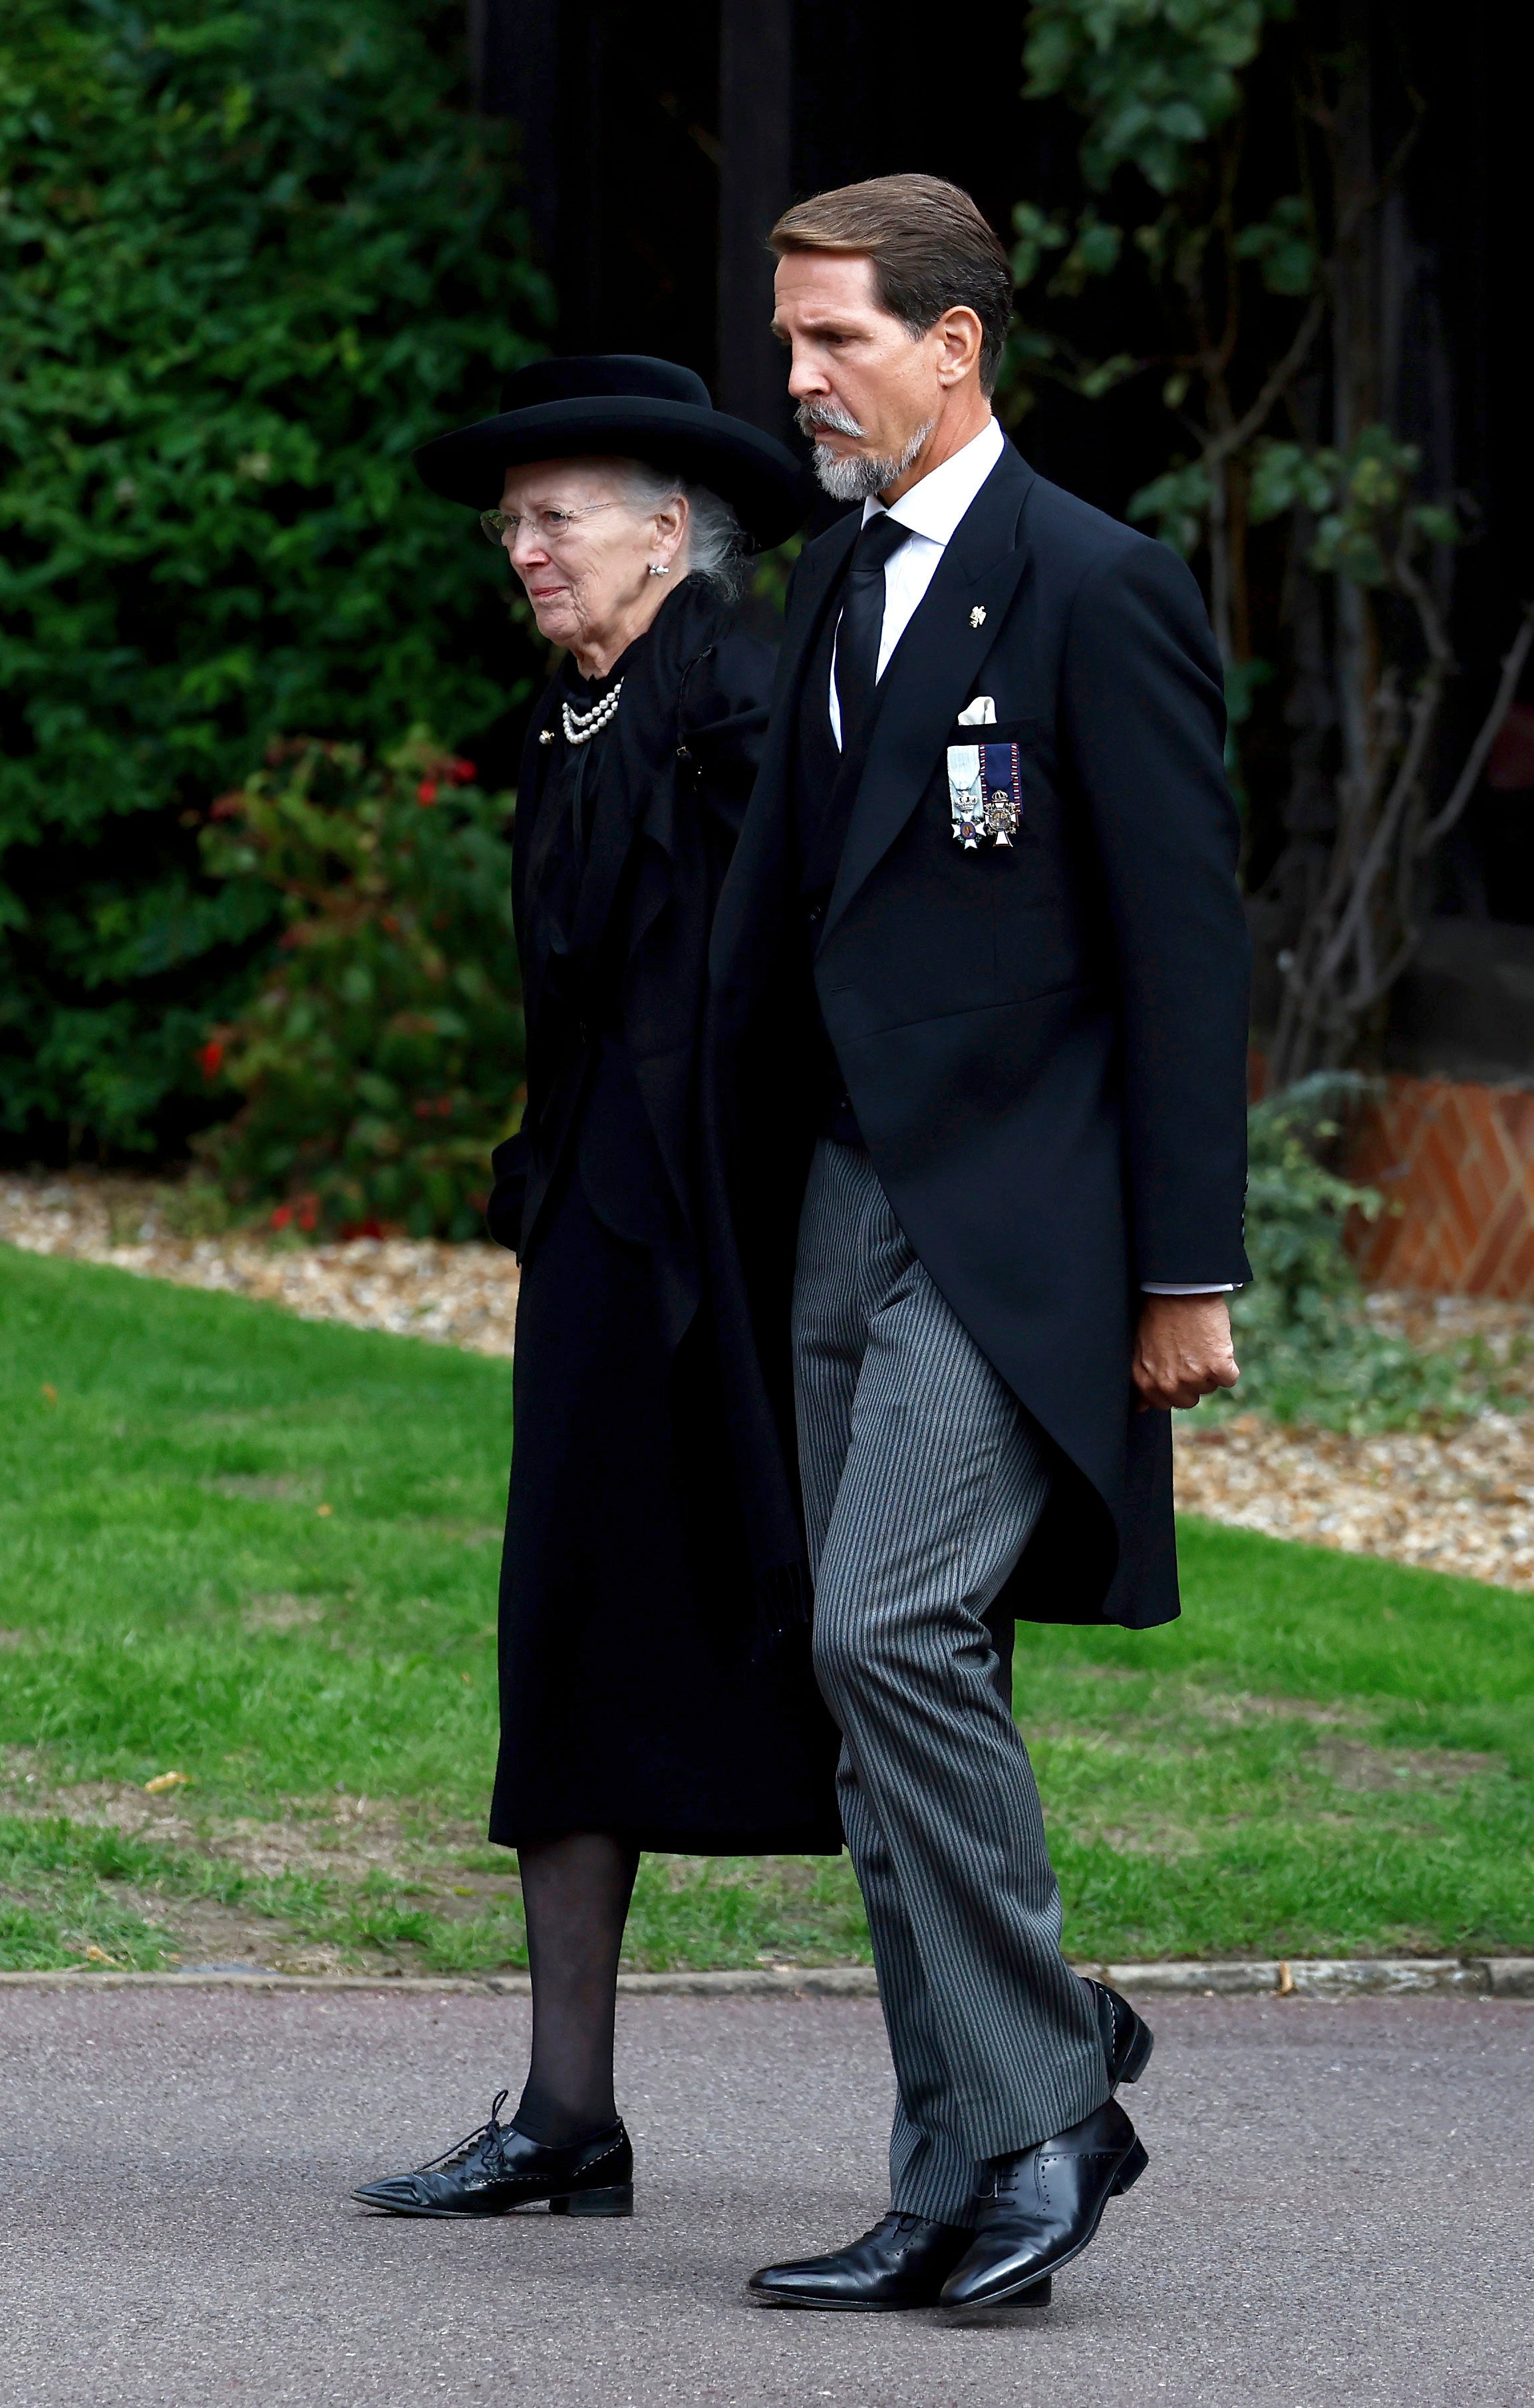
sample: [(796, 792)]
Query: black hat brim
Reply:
[(764, 484)]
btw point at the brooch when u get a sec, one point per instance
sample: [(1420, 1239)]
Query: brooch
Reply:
[(977, 616)]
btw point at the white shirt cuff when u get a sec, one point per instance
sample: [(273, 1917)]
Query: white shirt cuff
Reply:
[(1159, 1287)]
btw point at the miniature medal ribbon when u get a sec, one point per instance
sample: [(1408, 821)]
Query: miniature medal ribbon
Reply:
[(984, 783)]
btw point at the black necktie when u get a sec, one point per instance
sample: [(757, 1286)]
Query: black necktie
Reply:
[(861, 625)]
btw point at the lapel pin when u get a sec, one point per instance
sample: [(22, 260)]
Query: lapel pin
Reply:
[(977, 616)]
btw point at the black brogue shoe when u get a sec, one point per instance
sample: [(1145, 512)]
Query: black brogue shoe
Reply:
[(902, 2263), (1038, 2208), (1128, 2038), (497, 2169)]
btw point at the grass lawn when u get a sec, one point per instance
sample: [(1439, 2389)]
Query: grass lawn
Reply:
[(263, 1553)]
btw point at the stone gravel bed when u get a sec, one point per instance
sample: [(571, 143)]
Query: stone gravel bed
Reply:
[(1462, 1501), (1459, 1500), (414, 1287)]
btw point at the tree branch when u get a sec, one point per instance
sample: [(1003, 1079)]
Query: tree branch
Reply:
[(1272, 391), (1475, 760)]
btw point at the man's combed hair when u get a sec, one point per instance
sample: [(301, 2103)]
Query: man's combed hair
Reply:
[(930, 246)]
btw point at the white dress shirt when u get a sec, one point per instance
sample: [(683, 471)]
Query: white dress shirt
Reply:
[(932, 511)]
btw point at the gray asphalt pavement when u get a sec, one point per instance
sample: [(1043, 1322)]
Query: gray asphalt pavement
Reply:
[(1337, 2210)]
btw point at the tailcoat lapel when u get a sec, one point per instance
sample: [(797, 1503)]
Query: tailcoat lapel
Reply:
[(932, 669), (753, 894)]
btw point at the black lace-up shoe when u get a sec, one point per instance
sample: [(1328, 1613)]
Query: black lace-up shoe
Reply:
[(1127, 2038), (1038, 2208), (498, 2168), (902, 2263)]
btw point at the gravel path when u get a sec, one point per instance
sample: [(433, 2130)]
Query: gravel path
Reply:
[(1336, 2211), (1460, 1502)]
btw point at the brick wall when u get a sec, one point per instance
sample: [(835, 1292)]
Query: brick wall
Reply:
[(1458, 1161)]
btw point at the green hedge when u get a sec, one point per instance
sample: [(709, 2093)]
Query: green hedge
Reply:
[(250, 258)]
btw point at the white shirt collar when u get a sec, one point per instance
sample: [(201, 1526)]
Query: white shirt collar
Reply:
[(937, 503)]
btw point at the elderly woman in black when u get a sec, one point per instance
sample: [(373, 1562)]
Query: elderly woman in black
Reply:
[(643, 1702)]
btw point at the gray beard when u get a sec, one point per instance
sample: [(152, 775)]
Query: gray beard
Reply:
[(856, 478)]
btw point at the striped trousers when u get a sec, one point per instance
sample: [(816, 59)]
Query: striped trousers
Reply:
[(923, 1478)]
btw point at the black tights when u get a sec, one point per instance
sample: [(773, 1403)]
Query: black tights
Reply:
[(575, 1893)]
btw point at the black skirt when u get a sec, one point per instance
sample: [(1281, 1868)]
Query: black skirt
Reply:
[(630, 1699)]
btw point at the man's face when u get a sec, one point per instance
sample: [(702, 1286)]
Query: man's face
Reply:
[(868, 392)]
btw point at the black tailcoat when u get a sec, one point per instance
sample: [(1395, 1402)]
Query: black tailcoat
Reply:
[(1044, 1044)]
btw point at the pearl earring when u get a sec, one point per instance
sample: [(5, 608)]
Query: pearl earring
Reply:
[(656, 570)]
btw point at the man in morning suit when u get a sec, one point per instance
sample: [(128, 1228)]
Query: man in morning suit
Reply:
[(977, 1102)]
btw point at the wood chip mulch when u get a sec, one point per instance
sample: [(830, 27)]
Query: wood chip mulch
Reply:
[(1459, 1499)]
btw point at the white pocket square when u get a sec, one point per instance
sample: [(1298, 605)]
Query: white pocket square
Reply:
[(982, 712)]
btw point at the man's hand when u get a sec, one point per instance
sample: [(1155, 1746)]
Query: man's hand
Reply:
[(1182, 1349)]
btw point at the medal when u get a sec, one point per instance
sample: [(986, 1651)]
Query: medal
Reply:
[(965, 795), (1001, 776), (984, 789)]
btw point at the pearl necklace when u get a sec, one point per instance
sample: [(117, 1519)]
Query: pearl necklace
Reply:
[(582, 725)]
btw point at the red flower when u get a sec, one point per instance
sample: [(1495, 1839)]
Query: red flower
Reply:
[(309, 1213), (281, 1216), (211, 1058), (463, 773), (426, 792), (1509, 764)]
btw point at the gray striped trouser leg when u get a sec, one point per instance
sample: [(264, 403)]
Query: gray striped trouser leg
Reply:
[(923, 1478)]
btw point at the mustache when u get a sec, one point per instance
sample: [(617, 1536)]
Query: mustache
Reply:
[(813, 415)]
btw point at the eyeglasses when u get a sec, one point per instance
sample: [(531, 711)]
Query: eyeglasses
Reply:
[(550, 527)]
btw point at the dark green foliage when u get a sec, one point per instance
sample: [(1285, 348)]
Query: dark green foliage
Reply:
[(1304, 1340), (1154, 77), (249, 259), (382, 1057)]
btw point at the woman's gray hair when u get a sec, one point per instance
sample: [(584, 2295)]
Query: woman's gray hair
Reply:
[(716, 540)]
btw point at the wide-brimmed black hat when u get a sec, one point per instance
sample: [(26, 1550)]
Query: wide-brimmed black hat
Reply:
[(619, 404)]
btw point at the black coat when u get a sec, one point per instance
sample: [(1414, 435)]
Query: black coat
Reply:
[(1044, 1046), (634, 1698), (671, 780)]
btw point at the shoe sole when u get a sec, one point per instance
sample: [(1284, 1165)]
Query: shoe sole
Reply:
[(880, 2307), (841, 2307), (616, 2200), (1143, 2042), (1133, 2164)]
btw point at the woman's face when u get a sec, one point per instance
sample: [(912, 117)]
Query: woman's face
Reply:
[(585, 553)]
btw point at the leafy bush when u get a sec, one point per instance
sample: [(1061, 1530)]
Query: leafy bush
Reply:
[(382, 1058), (1304, 1340), (250, 257)]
